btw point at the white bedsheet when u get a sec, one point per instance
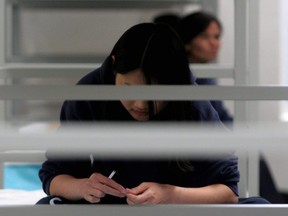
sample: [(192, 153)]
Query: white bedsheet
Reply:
[(25, 197), (20, 197)]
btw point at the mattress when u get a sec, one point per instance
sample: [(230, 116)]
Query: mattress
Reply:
[(20, 197)]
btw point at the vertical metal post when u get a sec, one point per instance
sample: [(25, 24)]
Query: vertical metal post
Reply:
[(9, 34), (247, 63), (2, 51), (240, 68), (2, 32), (253, 75), (2, 61), (253, 78)]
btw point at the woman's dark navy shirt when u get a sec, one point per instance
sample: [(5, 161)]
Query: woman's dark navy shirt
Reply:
[(131, 173)]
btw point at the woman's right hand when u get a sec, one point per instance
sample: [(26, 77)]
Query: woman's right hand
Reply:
[(97, 186)]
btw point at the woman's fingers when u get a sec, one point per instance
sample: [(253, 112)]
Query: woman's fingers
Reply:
[(137, 199), (92, 199), (112, 190), (107, 185)]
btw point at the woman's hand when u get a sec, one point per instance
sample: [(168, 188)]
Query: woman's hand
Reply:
[(154, 193), (97, 186), (149, 193)]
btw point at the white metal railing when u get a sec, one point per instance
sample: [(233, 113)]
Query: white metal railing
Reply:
[(29, 70), (151, 92), (148, 141), (167, 210)]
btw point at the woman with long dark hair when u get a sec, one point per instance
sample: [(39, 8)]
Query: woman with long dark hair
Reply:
[(146, 54)]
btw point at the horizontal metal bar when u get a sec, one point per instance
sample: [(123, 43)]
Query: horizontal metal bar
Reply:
[(167, 210), (22, 71), (152, 92), (126, 4), (22, 156), (212, 71), (149, 140)]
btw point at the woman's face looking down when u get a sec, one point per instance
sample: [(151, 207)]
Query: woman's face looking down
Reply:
[(138, 109)]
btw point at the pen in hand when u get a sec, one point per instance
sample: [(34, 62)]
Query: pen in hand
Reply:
[(112, 174)]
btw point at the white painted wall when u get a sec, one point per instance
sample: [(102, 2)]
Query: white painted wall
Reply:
[(226, 16), (274, 68), (270, 54)]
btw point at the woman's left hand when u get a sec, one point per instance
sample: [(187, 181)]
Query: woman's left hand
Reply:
[(150, 193)]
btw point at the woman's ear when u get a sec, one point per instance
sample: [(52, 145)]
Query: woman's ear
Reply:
[(113, 58)]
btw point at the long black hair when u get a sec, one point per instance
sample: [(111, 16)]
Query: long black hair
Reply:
[(157, 50)]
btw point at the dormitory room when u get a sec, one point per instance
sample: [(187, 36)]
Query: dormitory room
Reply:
[(179, 105)]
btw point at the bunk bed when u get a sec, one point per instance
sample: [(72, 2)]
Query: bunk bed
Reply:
[(244, 10)]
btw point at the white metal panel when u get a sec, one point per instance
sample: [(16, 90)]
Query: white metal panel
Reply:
[(148, 139), (2, 32), (162, 210), (3, 48), (153, 92), (49, 70)]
